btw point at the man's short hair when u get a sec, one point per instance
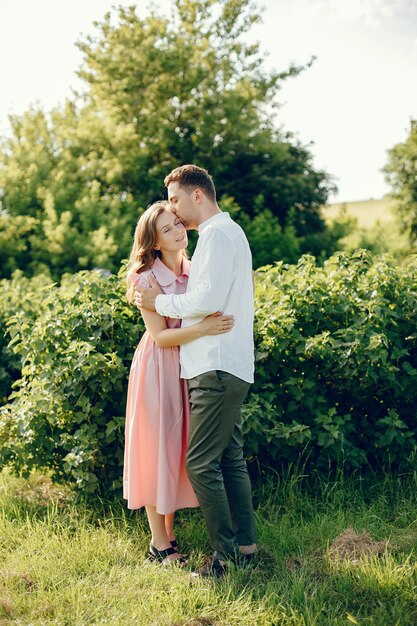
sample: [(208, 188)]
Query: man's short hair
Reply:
[(191, 177)]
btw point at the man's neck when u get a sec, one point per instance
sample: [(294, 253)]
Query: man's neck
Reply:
[(207, 212)]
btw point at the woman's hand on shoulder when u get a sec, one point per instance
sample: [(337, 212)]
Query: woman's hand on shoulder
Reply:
[(216, 324)]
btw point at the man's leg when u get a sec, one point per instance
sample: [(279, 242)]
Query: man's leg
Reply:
[(216, 400), (239, 492)]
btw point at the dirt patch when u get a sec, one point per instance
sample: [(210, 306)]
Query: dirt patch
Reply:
[(7, 607), (292, 564), (40, 490), (19, 578), (351, 546)]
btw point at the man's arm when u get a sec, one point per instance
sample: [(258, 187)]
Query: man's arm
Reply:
[(215, 275)]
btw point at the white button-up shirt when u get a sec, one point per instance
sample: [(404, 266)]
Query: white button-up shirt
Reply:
[(220, 280)]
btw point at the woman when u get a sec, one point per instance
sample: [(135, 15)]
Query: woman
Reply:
[(157, 413)]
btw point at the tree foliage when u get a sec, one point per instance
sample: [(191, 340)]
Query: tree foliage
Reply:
[(158, 92), (401, 173)]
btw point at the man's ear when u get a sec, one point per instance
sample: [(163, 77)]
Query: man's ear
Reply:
[(198, 195)]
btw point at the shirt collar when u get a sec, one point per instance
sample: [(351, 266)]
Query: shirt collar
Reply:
[(165, 276), (211, 220)]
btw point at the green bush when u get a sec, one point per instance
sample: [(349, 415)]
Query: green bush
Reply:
[(336, 350), (24, 295), (336, 367), (68, 412)]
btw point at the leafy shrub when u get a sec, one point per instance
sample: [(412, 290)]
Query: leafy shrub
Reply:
[(24, 295), (336, 368), (336, 361), (68, 413)]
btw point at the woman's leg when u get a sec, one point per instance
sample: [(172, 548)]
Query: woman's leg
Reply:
[(160, 538), (157, 523), (169, 526)]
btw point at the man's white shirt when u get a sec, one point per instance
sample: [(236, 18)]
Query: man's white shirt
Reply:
[(220, 280)]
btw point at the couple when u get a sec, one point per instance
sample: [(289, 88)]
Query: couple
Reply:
[(184, 442)]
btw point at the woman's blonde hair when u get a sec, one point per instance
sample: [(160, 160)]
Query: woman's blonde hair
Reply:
[(143, 252)]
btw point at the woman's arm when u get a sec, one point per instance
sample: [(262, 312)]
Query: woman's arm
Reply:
[(165, 337)]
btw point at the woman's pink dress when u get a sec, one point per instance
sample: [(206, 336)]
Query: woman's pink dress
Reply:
[(157, 415)]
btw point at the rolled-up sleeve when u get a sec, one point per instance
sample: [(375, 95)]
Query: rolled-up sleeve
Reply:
[(216, 269)]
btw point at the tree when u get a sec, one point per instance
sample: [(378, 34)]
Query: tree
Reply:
[(159, 92), (211, 103), (401, 173)]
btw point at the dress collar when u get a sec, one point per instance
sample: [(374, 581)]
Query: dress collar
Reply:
[(165, 276)]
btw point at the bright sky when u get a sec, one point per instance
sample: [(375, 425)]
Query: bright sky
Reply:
[(352, 105)]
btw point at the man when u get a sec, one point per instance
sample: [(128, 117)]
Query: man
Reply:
[(219, 368)]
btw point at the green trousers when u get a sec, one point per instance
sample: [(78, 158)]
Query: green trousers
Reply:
[(215, 463)]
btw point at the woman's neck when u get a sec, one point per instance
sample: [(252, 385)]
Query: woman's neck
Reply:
[(173, 260)]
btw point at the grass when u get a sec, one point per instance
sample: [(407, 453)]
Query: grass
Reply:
[(332, 552), (367, 212)]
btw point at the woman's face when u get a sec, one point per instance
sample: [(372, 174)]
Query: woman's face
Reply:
[(170, 233)]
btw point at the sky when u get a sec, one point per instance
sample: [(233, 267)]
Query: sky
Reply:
[(350, 107)]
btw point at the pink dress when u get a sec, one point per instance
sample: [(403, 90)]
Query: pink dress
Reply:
[(157, 415)]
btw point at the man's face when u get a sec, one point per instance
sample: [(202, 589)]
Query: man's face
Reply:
[(181, 203)]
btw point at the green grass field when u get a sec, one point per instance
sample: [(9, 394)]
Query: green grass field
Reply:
[(332, 553), (367, 212)]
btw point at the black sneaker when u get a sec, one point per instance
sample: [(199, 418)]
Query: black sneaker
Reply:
[(247, 559), (212, 569)]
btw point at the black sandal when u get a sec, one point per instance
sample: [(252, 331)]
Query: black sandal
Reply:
[(174, 545), (161, 555)]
